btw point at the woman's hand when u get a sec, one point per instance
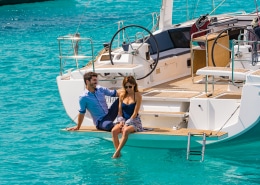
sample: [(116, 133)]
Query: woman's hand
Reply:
[(120, 119), (121, 124), (128, 121)]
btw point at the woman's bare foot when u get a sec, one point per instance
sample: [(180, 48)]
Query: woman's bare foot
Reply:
[(116, 155)]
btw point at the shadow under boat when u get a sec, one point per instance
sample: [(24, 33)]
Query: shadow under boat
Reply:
[(12, 2)]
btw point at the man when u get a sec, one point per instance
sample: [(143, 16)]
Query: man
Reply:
[(93, 99)]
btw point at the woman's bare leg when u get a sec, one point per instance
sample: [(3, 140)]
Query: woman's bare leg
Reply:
[(126, 131), (115, 132)]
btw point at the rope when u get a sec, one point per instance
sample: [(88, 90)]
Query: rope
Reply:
[(227, 120)]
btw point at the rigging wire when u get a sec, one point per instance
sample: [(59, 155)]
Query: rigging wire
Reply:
[(115, 23), (217, 7), (213, 5), (187, 10), (197, 4), (192, 7), (82, 17), (129, 19)]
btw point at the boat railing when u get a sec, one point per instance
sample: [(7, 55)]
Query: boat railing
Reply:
[(244, 57), (250, 57), (241, 57), (74, 42), (74, 47)]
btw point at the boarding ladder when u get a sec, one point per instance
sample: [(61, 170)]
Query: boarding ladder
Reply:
[(196, 152)]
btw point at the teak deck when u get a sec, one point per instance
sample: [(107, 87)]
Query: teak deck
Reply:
[(187, 87), (164, 131)]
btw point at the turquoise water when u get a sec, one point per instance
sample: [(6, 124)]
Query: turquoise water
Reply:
[(32, 148)]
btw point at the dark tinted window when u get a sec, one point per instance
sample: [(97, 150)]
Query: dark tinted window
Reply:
[(180, 37)]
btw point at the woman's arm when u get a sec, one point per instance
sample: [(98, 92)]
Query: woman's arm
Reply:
[(138, 104), (120, 105)]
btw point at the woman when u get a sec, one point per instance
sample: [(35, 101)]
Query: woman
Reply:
[(128, 118)]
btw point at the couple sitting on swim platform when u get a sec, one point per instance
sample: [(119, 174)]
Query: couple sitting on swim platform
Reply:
[(124, 109)]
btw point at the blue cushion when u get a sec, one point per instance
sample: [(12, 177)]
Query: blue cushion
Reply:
[(163, 40), (171, 53)]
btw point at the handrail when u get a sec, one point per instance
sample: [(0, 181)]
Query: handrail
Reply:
[(253, 59), (75, 38), (233, 43)]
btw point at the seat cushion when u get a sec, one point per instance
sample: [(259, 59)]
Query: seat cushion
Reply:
[(163, 40), (171, 53)]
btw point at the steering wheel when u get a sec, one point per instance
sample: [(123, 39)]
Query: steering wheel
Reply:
[(126, 37), (254, 45)]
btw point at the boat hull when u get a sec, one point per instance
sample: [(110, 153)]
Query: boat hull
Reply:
[(158, 137), (148, 139), (248, 136)]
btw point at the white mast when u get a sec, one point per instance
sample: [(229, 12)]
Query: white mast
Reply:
[(166, 14)]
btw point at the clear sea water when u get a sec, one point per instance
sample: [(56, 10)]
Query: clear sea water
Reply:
[(32, 148)]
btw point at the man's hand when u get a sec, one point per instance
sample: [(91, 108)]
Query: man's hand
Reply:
[(72, 128)]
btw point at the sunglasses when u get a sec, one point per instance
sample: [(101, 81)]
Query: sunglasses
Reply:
[(128, 87)]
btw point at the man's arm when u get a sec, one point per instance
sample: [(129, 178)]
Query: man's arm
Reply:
[(80, 120), (119, 92)]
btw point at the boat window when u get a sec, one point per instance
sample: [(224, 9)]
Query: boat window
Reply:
[(181, 39)]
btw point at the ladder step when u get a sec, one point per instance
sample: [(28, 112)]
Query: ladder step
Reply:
[(196, 152), (197, 134)]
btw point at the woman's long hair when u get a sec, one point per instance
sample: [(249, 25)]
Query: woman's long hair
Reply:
[(132, 81)]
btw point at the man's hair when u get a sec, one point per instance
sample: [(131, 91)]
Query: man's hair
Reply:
[(88, 76)]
